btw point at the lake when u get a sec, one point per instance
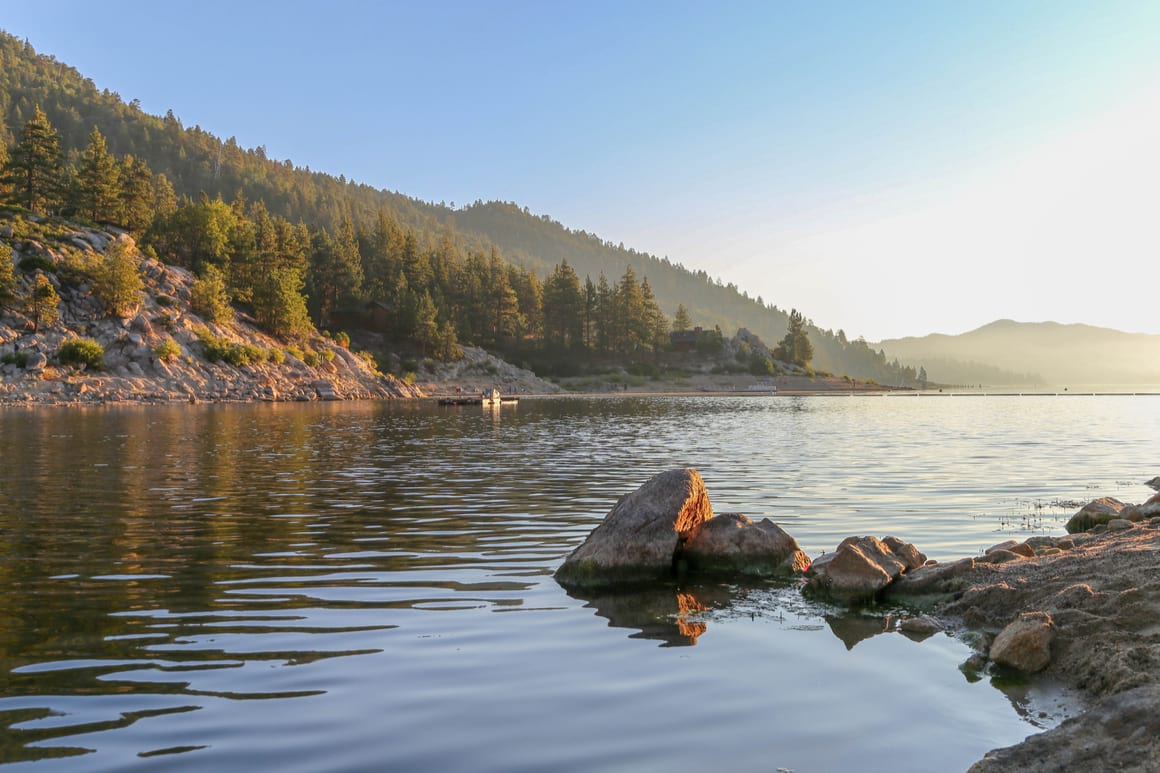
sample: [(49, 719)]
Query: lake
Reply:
[(368, 586)]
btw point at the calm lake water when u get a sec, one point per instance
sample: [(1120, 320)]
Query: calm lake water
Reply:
[(368, 586)]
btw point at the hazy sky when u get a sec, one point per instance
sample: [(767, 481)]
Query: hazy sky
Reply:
[(889, 168)]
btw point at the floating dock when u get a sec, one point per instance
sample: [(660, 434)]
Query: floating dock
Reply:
[(476, 401)]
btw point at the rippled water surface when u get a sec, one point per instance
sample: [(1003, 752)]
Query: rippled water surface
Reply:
[(368, 586)]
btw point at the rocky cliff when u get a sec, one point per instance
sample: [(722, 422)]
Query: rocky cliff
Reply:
[(156, 350)]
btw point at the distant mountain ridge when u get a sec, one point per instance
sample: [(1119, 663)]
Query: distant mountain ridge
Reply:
[(1034, 352)]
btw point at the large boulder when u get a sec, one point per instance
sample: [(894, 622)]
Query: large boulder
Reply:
[(861, 568), (1025, 644), (733, 544), (1096, 512), (637, 541)]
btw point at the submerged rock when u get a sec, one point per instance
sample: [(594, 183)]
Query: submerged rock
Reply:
[(861, 568)]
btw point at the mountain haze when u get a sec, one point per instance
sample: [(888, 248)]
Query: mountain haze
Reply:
[(1039, 352)]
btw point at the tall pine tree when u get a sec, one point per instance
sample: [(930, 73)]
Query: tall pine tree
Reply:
[(97, 191), (33, 170)]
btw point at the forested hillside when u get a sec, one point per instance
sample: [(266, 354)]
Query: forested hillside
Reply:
[(421, 273)]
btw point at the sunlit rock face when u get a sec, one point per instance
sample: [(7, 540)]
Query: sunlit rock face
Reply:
[(861, 568), (733, 544), (638, 539), (668, 525)]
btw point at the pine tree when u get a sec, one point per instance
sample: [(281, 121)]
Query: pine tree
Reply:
[(654, 324), (34, 167), (629, 324), (97, 190), (563, 308), (605, 313), (336, 275), (7, 274), (681, 320), (591, 304), (279, 305), (426, 323), (42, 303), (117, 280), (135, 194), (4, 186), (795, 347), (208, 296)]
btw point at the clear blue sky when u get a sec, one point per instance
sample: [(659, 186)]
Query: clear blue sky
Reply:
[(889, 168)]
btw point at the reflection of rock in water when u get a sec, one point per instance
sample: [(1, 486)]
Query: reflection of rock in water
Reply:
[(665, 614), (687, 603), (852, 629)]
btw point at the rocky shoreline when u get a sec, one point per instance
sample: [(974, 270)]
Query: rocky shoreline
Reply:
[(1082, 610), (158, 350), (1095, 598)]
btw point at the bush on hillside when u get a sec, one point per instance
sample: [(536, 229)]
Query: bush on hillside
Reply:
[(84, 352)]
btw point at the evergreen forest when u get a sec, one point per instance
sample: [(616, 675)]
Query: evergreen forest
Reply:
[(300, 249)]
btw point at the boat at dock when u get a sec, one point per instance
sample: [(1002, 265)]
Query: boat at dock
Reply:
[(486, 397)]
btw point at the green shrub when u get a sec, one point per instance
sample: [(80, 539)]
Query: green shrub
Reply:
[(328, 355), (19, 359), (82, 351), (312, 359), (342, 339), (168, 350), (224, 350), (165, 301), (276, 356), (410, 364), (208, 297), (644, 370), (295, 352), (35, 263), (761, 366)]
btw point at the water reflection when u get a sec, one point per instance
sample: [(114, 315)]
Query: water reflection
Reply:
[(665, 614), (853, 628), (205, 583)]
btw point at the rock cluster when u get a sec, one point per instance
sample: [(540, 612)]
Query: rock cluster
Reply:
[(861, 568), (1083, 608), (668, 523)]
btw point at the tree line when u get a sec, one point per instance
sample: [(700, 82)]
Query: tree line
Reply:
[(431, 293), (193, 161)]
